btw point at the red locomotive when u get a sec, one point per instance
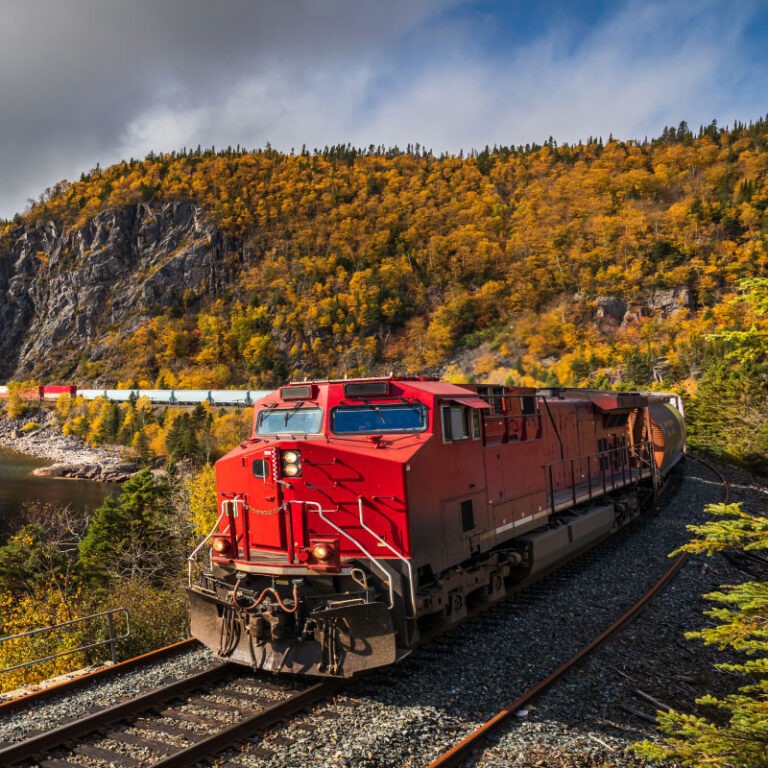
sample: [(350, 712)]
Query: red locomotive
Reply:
[(363, 515)]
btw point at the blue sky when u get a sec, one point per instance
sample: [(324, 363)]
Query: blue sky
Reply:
[(96, 81)]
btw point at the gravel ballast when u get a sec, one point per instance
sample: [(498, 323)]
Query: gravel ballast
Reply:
[(100, 695), (408, 715)]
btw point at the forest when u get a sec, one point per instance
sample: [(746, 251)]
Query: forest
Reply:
[(348, 261), (629, 264)]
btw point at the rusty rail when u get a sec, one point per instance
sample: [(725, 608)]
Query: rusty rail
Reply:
[(80, 681), (461, 751)]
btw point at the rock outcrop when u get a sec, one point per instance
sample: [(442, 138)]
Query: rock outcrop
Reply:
[(613, 312), (71, 456), (62, 288), (610, 313)]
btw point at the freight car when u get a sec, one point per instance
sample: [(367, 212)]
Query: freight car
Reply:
[(233, 397), (365, 515), (39, 392), (221, 397)]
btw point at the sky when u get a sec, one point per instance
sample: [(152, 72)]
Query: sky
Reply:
[(87, 82)]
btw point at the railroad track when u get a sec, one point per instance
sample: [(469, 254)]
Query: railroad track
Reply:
[(175, 726), (462, 751), (103, 673)]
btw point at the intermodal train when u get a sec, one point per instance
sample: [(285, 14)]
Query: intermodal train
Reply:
[(363, 516), (222, 397)]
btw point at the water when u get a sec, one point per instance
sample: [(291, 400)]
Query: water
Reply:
[(18, 486)]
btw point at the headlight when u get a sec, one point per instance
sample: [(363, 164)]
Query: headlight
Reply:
[(324, 555), (220, 544), (322, 551), (291, 463)]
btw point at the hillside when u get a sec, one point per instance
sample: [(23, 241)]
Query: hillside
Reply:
[(549, 264)]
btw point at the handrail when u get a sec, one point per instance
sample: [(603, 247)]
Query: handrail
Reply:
[(395, 553), (607, 471), (192, 559), (111, 640), (347, 535)]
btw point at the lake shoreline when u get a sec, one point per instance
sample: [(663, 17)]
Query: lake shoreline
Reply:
[(71, 457)]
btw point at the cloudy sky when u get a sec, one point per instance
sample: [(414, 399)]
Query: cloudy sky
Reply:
[(96, 81)]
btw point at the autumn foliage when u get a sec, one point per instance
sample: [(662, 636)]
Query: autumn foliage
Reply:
[(199, 435), (621, 263), (345, 261)]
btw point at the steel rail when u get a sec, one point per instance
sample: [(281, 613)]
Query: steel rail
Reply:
[(44, 742), (80, 681), (460, 751), (225, 738)]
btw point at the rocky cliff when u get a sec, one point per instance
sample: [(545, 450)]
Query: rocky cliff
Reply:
[(63, 289)]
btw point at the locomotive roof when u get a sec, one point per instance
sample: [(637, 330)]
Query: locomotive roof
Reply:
[(427, 385), (605, 400)]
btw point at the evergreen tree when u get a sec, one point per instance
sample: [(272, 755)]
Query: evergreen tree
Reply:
[(133, 535), (181, 438), (729, 416), (739, 739)]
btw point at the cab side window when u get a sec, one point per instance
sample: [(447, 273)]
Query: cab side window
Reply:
[(460, 423)]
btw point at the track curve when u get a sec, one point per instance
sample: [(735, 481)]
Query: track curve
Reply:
[(456, 754)]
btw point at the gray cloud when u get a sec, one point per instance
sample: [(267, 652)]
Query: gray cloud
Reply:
[(87, 81), (649, 65)]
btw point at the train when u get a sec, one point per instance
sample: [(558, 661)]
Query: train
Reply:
[(363, 516), (220, 397)]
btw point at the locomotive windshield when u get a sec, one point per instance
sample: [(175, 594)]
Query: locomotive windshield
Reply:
[(347, 419), (296, 420)]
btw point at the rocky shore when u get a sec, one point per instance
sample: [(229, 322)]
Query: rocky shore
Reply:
[(71, 457)]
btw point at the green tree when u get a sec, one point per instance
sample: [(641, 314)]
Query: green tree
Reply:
[(43, 550), (739, 737), (135, 535), (181, 439), (30, 559), (729, 415)]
